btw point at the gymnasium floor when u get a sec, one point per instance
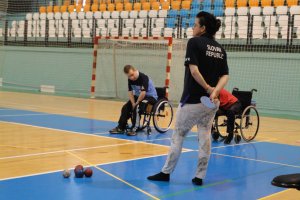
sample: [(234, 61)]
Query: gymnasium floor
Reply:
[(42, 135)]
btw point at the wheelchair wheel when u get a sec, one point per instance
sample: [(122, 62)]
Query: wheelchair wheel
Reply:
[(162, 116), (249, 123), (221, 126)]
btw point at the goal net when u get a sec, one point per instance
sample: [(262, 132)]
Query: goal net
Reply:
[(151, 56)]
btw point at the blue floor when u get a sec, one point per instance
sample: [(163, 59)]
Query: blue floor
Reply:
[(229, 176)]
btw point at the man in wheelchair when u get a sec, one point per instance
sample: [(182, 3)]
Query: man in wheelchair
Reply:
[(140, 88), (229, 106)]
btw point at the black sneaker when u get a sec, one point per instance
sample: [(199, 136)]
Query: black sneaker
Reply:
[(131, 132), (228, 139), (197, 181), (160, 177), (116, 130)]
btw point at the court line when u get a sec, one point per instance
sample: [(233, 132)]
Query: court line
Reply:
[(274, 194), (115, 177), (257, 160), (62, 151)]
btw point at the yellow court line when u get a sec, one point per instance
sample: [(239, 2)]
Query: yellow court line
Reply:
[(106, 172), (272, 195)]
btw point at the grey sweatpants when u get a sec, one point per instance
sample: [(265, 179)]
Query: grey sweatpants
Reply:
[(186, 117)]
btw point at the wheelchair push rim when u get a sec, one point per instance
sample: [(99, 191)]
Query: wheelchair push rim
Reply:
[(162, 116), (249, 124)]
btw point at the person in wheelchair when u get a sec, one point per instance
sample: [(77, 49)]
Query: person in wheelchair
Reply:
[(140, 88), (229, 106)]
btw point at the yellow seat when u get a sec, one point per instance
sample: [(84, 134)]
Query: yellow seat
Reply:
[(265, 3), (63, 9), (102, 7), (146, 6), (78, 8), (165, 6), (87, 8), (111, 7), (143, 1), (107, 1), (43, 9), (155, 5), (278, 3), (253, 3), (229, 3), (71, 8), (49, 9), (152, 1), (186, 5), (162, 1), (56, 9), (128, 6), (137, 6), (87, 2), (79, 2), (118, 1), (292, 2), (176, 5), (119, 7), (241, 3), (96, 2), (95, 7), (126, 1)]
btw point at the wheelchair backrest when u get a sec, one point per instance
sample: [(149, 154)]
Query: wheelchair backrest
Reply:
[(161, 92), (244, 97)]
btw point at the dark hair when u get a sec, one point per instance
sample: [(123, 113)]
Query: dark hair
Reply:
[(127, 68), (211, 23)]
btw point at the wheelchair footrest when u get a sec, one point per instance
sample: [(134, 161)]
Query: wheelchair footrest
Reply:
[(287, 181)]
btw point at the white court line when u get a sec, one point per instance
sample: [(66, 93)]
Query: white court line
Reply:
[(62, 151), (36, 114), (257, 160), (107, 163)]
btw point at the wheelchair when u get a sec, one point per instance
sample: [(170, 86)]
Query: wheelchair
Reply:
[(246, 123), (161, 114)]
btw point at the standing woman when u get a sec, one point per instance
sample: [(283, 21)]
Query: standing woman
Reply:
[(206, 73)]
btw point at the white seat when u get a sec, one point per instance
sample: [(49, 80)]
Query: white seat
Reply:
[(283, 32), (298, 33), (43, 16), (297, 21), (257, 21), (85, 24), (112, 23), (65, 23), (162, 13), (143, 14), (242, 32), (242, 21), (52, 33), (65, 15), (89, 15), (258, 33), (140, 23), (104, 32), (113, 32), (268, 10), (143, 32), (128, 23), (36, 16), (229, 21), (270, 21), (106, 15), (272, 32), (295, 10), (98, 15), (255, 10), (29, 16), (50, 16), (124, 14), (61, 32), (283, 20), (115, 14), (168, 32), (21, 24), (229, 33), (281, 10), (153, 13), (75, 23), (189, 32), (81, 15), (136, 32), (159, 22), (12, 32), (58, 15), (126, 32), (77, 33), (133, 14), (229, 11), (14, 24), (242, 11), (218, 34), (101, 23), (86, 32), (157, 32), (73, 15)]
